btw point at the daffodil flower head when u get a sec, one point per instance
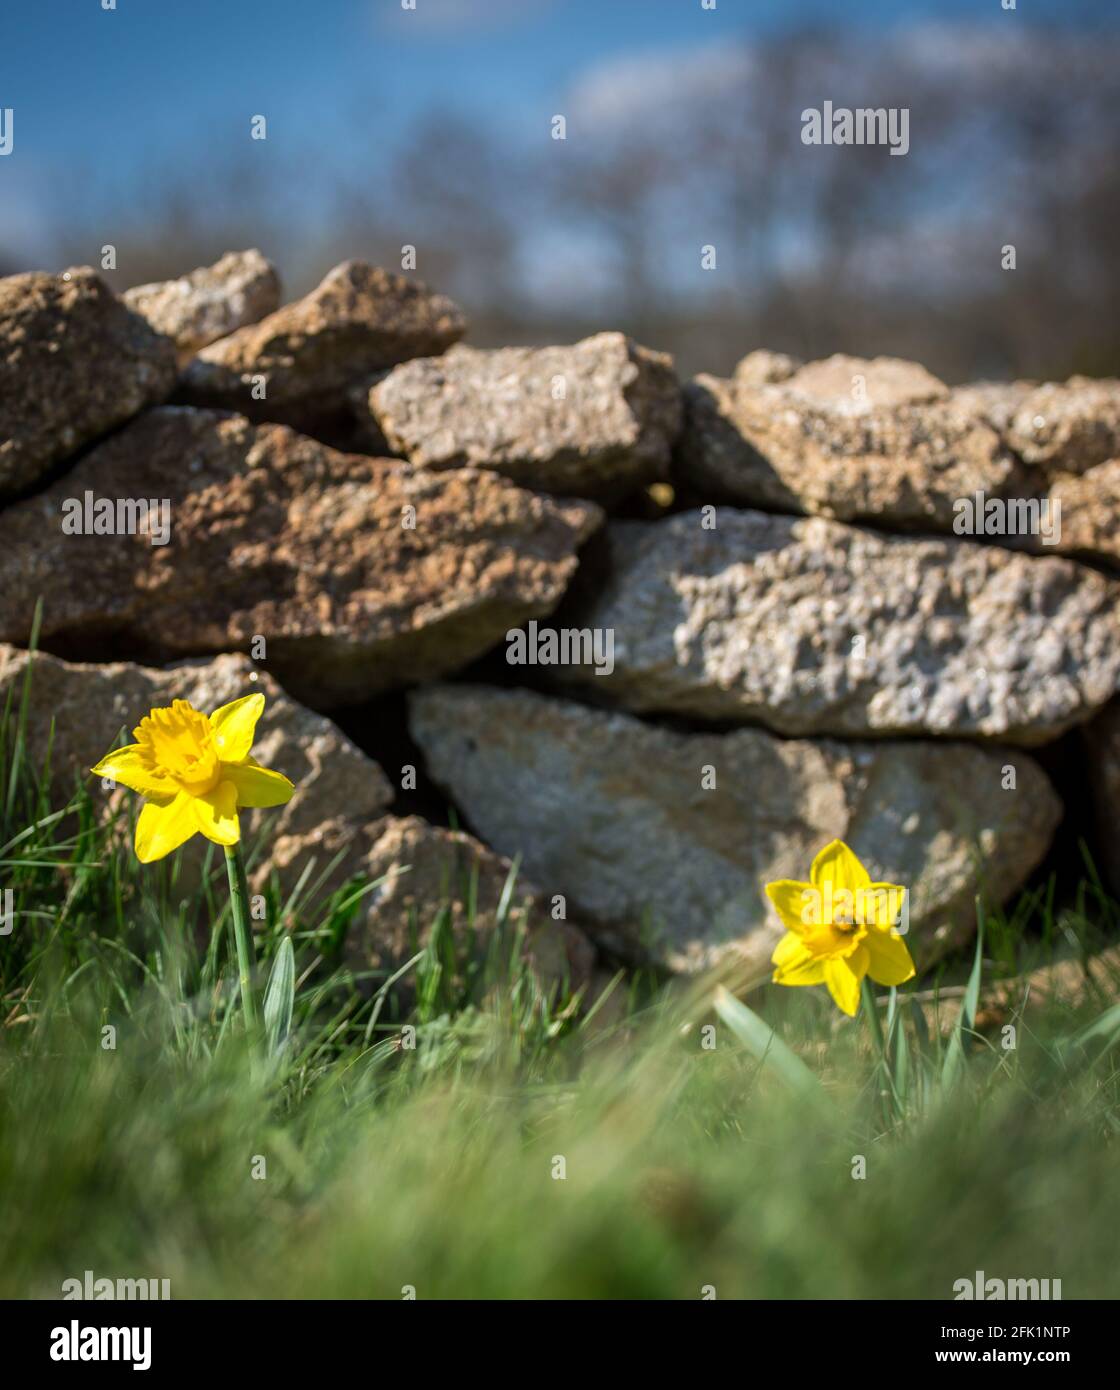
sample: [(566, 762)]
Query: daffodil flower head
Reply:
[(840, 926), (195, 773)]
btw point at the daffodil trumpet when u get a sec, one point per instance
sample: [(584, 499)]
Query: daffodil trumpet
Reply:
[(841, 928), (196, 773)]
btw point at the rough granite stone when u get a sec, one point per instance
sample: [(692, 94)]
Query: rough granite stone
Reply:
[(358, 321), (864, 386), (337, 812), (74, 363), (763, 368), (1102, 751), (812, 627), (423, 869), (994, 401), (274, 535), (612, 813), (844, 438), (1087, 505), (90, 705), (610, 433), (1067, 427), (209, 303)]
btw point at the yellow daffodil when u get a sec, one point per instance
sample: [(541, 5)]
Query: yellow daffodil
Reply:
[(839, 928), (195, 773)]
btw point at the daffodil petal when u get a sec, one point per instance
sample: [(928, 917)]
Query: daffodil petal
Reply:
[(258, 786), (881, 904), (131, 768), (233, 726), (838, 865), (790, 948), (163, 825), (216, 814), (843, 983), (798, 965), (788, 897), (889, 961)]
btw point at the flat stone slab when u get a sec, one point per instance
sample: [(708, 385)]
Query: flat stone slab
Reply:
[(596, 419), (665, 840), (351, 575), (809, 626), (846, 438)]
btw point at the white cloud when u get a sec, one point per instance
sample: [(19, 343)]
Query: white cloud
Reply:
[(986, 54), (645, 87)]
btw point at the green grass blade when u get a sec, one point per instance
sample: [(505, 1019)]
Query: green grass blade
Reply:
[(762, 1042), (279, 997), (954, 1055)]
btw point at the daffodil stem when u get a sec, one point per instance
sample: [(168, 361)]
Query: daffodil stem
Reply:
[(875, 1027), (892, 1107), (242, 936)]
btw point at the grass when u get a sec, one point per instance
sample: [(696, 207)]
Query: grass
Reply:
[(703, 1144)]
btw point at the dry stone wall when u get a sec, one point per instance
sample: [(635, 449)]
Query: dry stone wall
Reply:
[(739, 617)]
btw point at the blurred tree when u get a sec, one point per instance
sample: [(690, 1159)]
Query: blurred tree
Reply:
[(819, 249)]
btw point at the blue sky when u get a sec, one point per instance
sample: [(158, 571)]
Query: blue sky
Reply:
[(110, 89), (103, 98)]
